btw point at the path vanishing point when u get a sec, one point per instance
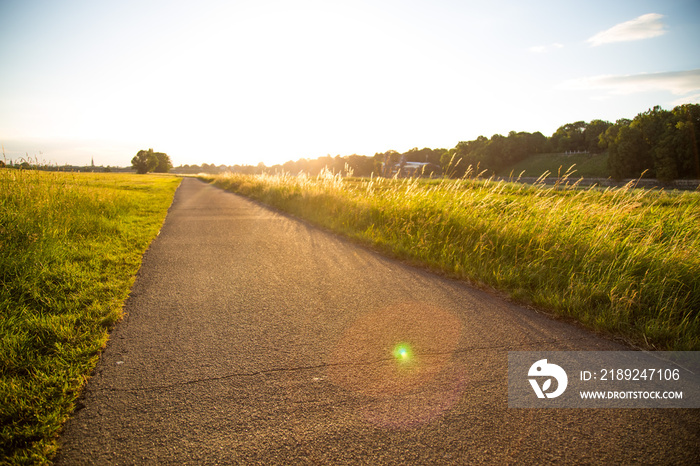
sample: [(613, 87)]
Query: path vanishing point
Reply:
[(254, 338)]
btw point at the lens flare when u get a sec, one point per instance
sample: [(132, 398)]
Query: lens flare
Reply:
[(402, 352), (401, 363)]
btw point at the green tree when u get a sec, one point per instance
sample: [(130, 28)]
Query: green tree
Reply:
[(147, 161), (144, 161), (361, 165), (456, 161), (497, 152), (665, 154), (385, 160), (537, 143), (425, 155), (164, 164), (607, 138), (569, 137), (688, 122), (629, 154), (663, 143), (591, 135)]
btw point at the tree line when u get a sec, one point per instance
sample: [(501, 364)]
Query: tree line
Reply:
[(663, 143), (655, 144)]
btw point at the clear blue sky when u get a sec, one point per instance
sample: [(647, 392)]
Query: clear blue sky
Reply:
[(233, 82)]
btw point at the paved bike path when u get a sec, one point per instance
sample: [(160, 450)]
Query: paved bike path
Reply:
[(254, 338)]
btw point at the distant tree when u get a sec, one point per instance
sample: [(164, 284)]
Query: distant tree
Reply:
[(290, 167), (207, 168), (144, 161), (591, 135), (425, 155), (360, 165), (456, 161), (147, 161), (688, 122), (607, 138), (666, 154), (248, 170), (629, 154), (663, 143), (302, 165), (164, 164), (569, 137), (385, 160), (674, 148), (538, 143)]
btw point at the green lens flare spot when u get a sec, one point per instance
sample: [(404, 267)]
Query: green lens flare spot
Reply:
[(402, 352)]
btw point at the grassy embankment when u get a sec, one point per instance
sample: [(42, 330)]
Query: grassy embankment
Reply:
[(587, 165), (622, 261), (70, 246)]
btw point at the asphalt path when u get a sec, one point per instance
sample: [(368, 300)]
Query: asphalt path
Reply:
[(254, 338)]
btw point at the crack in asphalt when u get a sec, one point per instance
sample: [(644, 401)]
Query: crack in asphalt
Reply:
[(222, 377), (326, 365)]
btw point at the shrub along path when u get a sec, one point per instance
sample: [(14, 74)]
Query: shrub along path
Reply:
[(253, 337)]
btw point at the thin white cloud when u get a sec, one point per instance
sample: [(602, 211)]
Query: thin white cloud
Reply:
[(643, 27), (690, 99), (676, 82), (546, 48)]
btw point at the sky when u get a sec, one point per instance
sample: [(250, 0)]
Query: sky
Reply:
[(243, 82)]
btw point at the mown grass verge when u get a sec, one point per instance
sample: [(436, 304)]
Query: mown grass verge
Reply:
[(70, 246), (623, 261)]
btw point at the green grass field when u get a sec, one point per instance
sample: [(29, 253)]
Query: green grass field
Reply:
[(70, 246), (586, 165), (622, 261)]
